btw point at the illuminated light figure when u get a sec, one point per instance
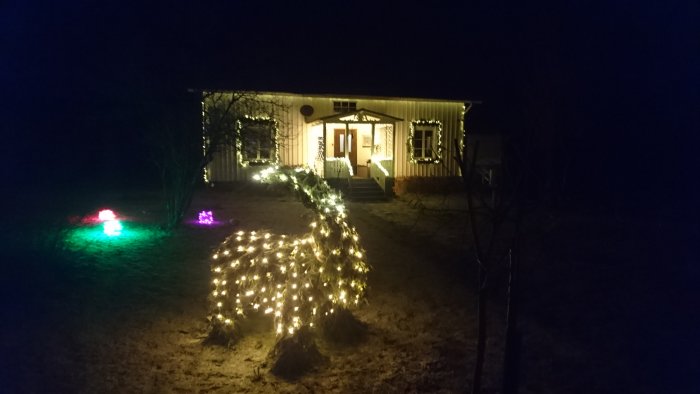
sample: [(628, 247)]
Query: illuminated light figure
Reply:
[(106, 214), (206, 217), (293, 285), (112, 228)]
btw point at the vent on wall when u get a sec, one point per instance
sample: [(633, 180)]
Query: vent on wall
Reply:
[(306, 110)]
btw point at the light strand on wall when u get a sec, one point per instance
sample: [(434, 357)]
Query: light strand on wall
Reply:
[(465, 111), (205, 170)]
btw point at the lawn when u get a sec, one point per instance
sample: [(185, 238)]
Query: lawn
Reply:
[(86, 313)]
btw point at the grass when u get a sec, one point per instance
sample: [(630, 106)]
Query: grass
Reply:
[(604, 308)]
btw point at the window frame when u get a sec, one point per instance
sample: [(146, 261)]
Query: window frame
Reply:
[(436, 148), (242, 151), (342, 107)]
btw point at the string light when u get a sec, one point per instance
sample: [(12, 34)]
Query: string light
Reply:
[(435, 125), (206, 217), (294, 284)]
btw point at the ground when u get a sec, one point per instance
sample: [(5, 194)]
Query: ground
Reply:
[(93, 315)]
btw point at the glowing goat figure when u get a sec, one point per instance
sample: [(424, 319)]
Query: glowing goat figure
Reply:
[(298, 280)]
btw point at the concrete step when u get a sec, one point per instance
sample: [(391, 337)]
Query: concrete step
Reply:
[(365, 190), (359, 189)]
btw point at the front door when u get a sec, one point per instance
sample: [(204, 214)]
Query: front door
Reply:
[(343, 145)]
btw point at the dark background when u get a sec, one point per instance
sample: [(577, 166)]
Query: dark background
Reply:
[(609, 88), (615, 83)]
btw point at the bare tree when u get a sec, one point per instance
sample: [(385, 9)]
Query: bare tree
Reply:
[(183, 148), (495, 229)]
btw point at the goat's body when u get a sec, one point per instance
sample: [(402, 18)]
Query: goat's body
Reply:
[(298, 280)]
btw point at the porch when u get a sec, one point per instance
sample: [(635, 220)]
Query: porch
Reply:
[(357, 144)]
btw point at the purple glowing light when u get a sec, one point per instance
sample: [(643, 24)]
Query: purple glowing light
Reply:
[(206, 217)]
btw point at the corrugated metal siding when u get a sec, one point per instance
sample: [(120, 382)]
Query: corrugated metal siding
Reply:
[(294, 146), (223, 167), (448, 113)]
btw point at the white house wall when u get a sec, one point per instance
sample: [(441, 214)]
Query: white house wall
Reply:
[(298, 146)]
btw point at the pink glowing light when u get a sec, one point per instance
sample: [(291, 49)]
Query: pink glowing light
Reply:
[(101, 216), (206, 217), (106, 214)]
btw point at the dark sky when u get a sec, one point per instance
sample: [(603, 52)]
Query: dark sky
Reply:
[(618, 78)]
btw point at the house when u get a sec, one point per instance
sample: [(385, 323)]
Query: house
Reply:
[(398, 143)]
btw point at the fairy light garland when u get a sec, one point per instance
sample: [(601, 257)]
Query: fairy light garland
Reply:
[(206, 217), (438, 128), (205, 170), (463, 117), (377, 160), (297, 280)]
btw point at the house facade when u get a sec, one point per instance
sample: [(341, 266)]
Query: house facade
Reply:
[(392, 140)]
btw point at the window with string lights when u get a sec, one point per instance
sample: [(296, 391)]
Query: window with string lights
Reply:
[(257, 141), (425, 141)]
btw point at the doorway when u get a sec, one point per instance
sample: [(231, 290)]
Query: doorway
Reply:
[(346, 146)]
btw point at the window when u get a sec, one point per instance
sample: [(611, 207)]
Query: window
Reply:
[(344, 106), (257, 141), (424, 142)]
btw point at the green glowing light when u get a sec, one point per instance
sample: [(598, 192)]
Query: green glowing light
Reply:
[(113, 228), (99, 238)]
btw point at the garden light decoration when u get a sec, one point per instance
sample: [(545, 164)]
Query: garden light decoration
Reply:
[(106, 214), (298, 280), (206, 217), (112, 227), (94, 240), (99, 235), (99, 217)]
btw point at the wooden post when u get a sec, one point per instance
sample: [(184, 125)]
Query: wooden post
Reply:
[(371, 153), (325, 150)]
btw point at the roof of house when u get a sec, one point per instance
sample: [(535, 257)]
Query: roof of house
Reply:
[(348, 96)]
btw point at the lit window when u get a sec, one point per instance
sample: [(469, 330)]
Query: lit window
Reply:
[(344, 106), (257, 140), (425, 141)]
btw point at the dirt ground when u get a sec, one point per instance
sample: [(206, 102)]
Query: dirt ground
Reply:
[(102, 316)]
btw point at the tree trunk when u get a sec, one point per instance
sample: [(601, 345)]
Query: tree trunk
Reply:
[(511, 356), (480, 330), (482, 273)]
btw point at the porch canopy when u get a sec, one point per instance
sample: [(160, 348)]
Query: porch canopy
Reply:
[(362, 115), (340, 152)]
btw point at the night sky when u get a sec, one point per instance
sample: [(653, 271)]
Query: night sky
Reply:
[(618, 81)]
